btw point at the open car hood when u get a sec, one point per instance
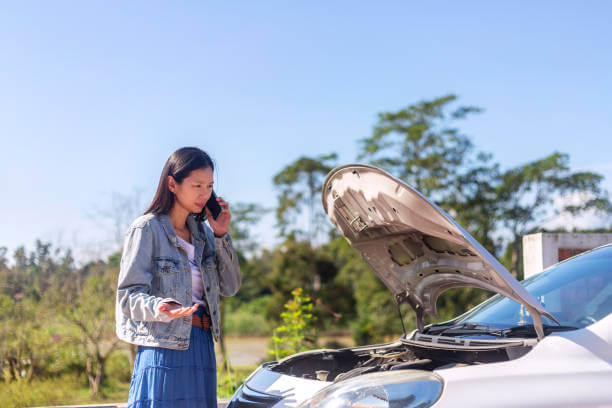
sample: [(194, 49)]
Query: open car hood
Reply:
[(414, 247)]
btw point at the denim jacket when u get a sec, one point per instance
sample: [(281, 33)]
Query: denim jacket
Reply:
[(154, 269)]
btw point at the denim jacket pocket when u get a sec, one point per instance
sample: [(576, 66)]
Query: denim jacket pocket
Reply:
[(142, 328), (166, 277), (165, 331)]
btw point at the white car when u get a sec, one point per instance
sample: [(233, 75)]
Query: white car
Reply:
[(544, 343)]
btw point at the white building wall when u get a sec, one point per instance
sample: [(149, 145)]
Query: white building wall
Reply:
[(541, 250)]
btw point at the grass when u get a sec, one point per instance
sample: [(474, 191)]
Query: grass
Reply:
[(228, 382), (72, 389), (62, 390)]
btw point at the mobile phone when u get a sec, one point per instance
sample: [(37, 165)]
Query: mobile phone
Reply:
[(213, 206)]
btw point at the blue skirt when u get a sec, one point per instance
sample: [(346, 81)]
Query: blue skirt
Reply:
[(166, 378)]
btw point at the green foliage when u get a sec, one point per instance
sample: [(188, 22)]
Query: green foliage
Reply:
[(57, 340), (29, 338), (525, 194), (300, 185), (456, 301), (117, 369), (68, 388), (419, 145), (244, 216), (299, 264), (247, 318), (228, 381), (295, 334), (256, 280), (56, 318), (474, 202), (91, 315), (19, 394), (376, 316)]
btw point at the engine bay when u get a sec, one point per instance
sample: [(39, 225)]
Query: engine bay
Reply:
[(421, 352)]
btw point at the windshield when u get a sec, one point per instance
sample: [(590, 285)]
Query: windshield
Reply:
[(577, 292)]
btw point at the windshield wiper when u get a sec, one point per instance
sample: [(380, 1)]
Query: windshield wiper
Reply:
[(528, 329), (464, 329), (483, 329)]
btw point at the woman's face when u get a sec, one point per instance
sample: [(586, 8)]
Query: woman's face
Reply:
[(194, 191)]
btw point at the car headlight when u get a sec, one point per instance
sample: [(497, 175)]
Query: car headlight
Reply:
[(390, 389)]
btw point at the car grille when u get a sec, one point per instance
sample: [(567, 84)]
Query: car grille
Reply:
[(248, 398)]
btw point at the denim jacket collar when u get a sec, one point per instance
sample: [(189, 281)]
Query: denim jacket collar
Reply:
[(196, 233)]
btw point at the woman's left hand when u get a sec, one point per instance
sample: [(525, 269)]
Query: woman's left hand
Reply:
[(220, 226)]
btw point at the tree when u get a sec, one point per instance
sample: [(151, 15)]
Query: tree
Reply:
[(119, 210), (526, 193), (419, 145), (474, 201), (3, 259), (300, 186), (294, 264), (244, 216), (92, 317), (376, 310), (31, 334)]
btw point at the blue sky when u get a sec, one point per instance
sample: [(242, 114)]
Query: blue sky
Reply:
[(94, 96)]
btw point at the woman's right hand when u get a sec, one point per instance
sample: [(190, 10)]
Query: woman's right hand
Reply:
[(175, 310)]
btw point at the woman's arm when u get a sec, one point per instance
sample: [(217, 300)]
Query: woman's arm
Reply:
[(135, 277), (228, 267)]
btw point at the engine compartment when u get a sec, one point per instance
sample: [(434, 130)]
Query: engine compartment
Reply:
[(338, 365)]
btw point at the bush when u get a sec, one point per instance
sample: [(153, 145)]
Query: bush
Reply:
[(118, 368), (248, 318), (296, 333), (67, 358)]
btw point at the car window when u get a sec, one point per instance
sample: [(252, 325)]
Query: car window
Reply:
[(577, 292)]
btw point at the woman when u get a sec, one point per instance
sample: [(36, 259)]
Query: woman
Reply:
[(173, 269)]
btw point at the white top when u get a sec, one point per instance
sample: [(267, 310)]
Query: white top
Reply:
[(197, 284)]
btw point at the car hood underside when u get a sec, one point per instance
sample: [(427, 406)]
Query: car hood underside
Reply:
[(412, 245)]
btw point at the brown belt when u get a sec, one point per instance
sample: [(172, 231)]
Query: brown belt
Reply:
[(201, 322)]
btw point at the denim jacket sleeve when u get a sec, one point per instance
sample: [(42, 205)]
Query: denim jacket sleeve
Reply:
[(135, 276), (228, 267)]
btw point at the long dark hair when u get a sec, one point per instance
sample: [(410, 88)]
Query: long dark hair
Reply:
[(179, 165)]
